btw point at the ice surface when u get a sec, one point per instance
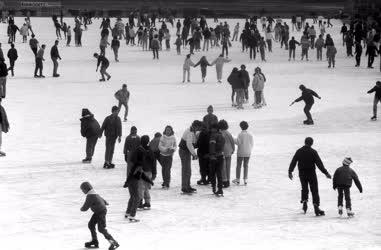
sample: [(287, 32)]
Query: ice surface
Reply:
[(41, 174)]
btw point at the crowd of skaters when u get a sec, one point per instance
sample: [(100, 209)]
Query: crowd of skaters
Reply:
[(207, 141)]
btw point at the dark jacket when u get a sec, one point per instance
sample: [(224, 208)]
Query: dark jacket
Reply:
[(307, 96), (216, 145), (292, 44), (95, 202), (343, 178), (210, 119), (103, 60), (131, 143), (115, 43), (202, 144), (235, 80), (4, 120), (203, 63), (138, 160), (12, 54), (3, 69), (112, 126), (149, 163), (54, 52), (376, 89), (89, 126), (307, 158), (245, 78)]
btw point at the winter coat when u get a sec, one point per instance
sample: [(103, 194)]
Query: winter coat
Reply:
[(4, 120), (95, 202), (155, 43), (115, 43), (343, 178), (154, 145), (209, 120), (229, 145), (54, 52), (33, 43), (187, 141), (103, 42), (307, 96), (235, 80), (138, 159), (244, 75), (307, 158), (131, 143), (219, 62), (203, 143), (40, 53), (167, 142), (319, 43), (12, 54), (24, 30), (216, 145), (122, 96), (112, 126), (376, 89), (258, 82), (305, 42), (149, 162), (292, 44), (3, 69), (89, 126), (371, 49), (331, 51), (187, 64), (245, 143), (203, 63)]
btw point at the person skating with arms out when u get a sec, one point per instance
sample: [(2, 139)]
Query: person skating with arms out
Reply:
[(98, 205), (186, 67), (342, 181), (307, 160), (104, 63), (123, 96), (377, 99), (308, 98)]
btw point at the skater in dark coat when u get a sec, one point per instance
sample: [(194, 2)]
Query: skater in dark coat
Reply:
[(90, 130), (371, 52), (308, 98), (98, 205), (358, 53), (216, 158), (307, 159), (235, 81), (377, 99), (245, 78), (131, 143), (55, 56), (4, 125), (112, 128), (135, 178), (202, 154), (12, 55), (3, 79), (342, 181), (203, 65), (104, 63), (150, 170), (210, 118), (33, 44)]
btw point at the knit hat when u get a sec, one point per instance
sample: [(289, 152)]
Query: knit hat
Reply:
[(85, 112), (347, 161), (86, 187)]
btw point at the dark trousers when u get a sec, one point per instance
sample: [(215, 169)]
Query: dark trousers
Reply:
[(246, 94), (319, 53), (90, 146), (216, 172), (186, 170), (55, 65), (291, 52), (225, 49), (370, 60), (12, 66), (358, 59), (203, 72), (310, 180), (68, 41), (100, 220), (269, 45), (39, 66), (344, 191), (166, 165), (110, 146), (34, 51), (258, 97), (204, 167), (253, 52), (135, 197), (155, 53), (375, 102), (307, 110)]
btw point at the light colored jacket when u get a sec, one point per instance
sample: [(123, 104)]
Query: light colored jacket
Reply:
[(190, 139), (187, 64), (245, 143), (258, 82), (24, 30), (219, 62), (229, 146), (167, 142)]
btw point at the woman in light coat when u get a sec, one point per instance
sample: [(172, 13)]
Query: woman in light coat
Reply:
[(167, 146), (219, 62)]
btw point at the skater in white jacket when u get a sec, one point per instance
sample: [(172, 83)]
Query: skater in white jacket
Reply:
[(245, 145), (219, 62), (186, 67)]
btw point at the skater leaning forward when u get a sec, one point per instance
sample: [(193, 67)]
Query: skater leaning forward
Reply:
[(98, 205), (307, 159), (104, 63), (342, 181), (308, 98)]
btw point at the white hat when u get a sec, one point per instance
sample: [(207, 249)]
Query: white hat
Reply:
[(347, 161)]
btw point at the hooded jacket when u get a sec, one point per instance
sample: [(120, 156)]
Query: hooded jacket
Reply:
[(343, 178), (89, 125)]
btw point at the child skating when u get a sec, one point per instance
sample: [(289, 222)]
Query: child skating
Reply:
[(98, 205), (203, 65), (342, 181)]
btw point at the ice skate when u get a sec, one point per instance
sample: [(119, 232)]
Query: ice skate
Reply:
[(236, 181), (245, 182), (340, 210), (113, 244), (350, 213), (132, 219), (86, 160), (318, 212), (373, 118), (102, 80), (202, 182), (146, 206), (108, 78), (126, 215), (219, 193), (2, 154), (92, 244), (193, 190), (186, 191)]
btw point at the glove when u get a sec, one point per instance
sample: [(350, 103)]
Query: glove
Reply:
[(328, 176)]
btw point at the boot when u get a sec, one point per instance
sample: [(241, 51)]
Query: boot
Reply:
[(318, 212), (305, 206), (113, 244), (86, 160), (340, 210), (374, 118), (146, 206), (236, 181), (92, 244), (350, 213), (219, 192)]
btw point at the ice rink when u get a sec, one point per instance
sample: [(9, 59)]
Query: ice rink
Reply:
[(41, 174)]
